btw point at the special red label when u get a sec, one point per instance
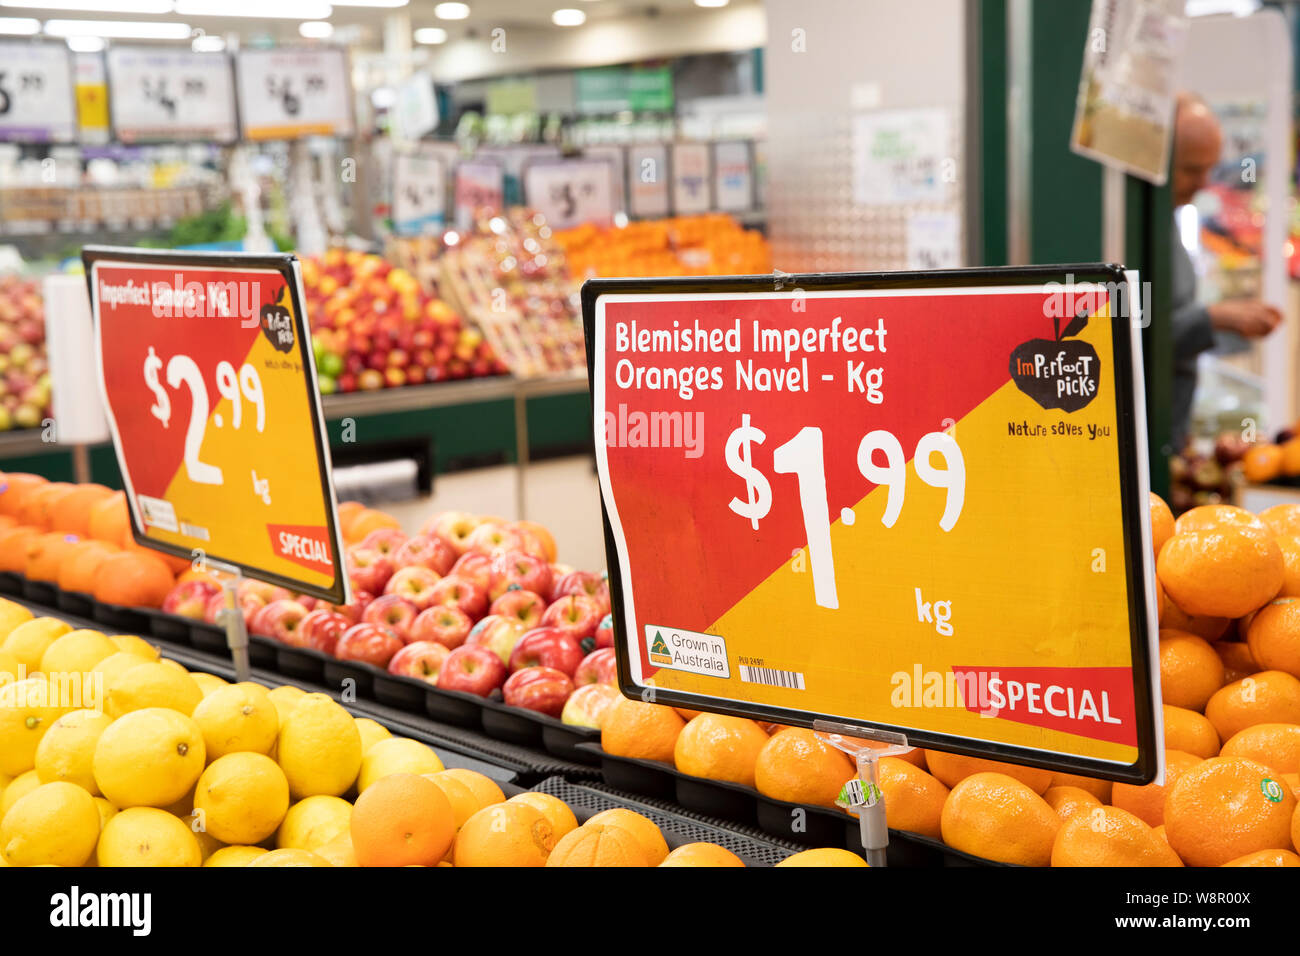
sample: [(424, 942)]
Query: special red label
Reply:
[(306, 545)]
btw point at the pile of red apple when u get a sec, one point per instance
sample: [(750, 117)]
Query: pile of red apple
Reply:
[(374, 327), (467, 604), (24, 369)]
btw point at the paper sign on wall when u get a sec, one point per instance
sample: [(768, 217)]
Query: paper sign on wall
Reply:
[(898, 156)]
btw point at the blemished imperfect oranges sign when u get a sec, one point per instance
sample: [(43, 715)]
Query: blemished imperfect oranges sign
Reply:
[(913, 502), (209, 388)]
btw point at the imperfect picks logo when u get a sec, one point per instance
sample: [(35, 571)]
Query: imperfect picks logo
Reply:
[(277, 324), (1058, 373)]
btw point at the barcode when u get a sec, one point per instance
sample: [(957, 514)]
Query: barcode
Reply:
[(768, 675)]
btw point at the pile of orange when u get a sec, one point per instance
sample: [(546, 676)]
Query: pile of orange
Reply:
[(712, 244)]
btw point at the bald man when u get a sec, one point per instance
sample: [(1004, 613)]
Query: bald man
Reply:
[(1198, 141)]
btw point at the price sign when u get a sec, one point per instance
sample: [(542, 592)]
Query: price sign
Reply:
[(209, 386), (916, 503), (161, 94), (691, 179), (289, 93), (37, 104), (419, 193), (733, 176), (570, 192), (648, 180), (480, 184)]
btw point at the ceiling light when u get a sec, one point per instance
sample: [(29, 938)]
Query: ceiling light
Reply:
[(85, 44), (118, 29), (431, 35), (451, 11), (568, 17), (19, 26), (208, 44), (94, 6), (316, 29), (711, 3), (370, 3), (274, 9)]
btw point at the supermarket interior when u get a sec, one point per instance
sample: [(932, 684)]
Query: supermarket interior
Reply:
[(647, 433)]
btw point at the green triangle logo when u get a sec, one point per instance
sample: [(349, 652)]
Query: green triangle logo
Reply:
[(659, 645)]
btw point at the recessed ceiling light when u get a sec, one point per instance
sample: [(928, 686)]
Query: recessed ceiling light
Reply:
[(118, 29), (19, 26), (276, 9), (370, 3), (711, 3), (316, 29), (431, 36), (451, 11), (85, 44), (568, 17)]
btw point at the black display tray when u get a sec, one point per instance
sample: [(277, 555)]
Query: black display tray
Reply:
[(11, 583)]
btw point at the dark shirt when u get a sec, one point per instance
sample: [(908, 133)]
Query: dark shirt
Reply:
[(1192, 335)]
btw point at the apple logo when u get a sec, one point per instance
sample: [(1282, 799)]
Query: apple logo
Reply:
[(1058, 373), (277, 325)]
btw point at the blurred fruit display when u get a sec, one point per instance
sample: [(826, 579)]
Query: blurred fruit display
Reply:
[(713, 244), (24, 369), (374, 327), (1209, 473)]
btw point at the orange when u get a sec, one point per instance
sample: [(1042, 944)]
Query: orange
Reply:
[(952, 769), (77, 572), (1284, 520), (1190, 671), (464, 804), (915, 756), (1266, 858), (688, 714), (1210, 628), (997, 817), (14, 488), (1206, 517), (71, 512), (1274, 636), (1162, 522), (13, 546), (109, 519), (634, 728), (1147, 801), (1190, 732), (543, 536), (485, 789), (824, 856), (1274, 745), (913, 798), (1268, 697), (1290, 546), (1098, 788), (1295, 827), (37, 506), (702, 854), (797, 766), (645, 830), (561, 818), (1291, 457), (505, 834), (45, 555), (174, 564), (402, 819), (368, 520), (1227, 807), (1262, 463), (348, 510), (1237, 662), (1160, 832), (1109, 836), (1292, 780), (1067, 801), (720, 748), (597, 845), (133, 579), (1223, 571)]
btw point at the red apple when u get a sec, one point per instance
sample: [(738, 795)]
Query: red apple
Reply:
[(475, 567), (454, 527), (444, 624), (516, 567), (353, 611), (498, 633), (543, 689), (263, 592), (588, 704), (583, 582), (368, 569), (415, 583), (428, 550), (576, 614), (190, 598), (216, 604), (370, 643), (472, 669), (280, 620), (558, 573), (547, 647), (491, 537), (525, 607), (391, 611), (466, 595), (598, 667), (605, 632), (419, 659), (386, 541), (322, 628)]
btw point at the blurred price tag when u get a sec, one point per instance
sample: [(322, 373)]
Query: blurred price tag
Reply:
[(570, 192), (419, 193), (286, 94), (167, 94), (37, 104), (691, 179)]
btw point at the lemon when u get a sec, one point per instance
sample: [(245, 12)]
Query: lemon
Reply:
[(372, 731), (319, 748), (234, 856), (137, 646), (289, 858), (208, 683), (242, 798), (29, 641), (22, 785), (106, 812), (25, 716), (237, 717), (114, 666), (339, 852), (397, 755), (197, 822), (286, 699), (76, 652), (314, 822), (184, 806), (146, 836), (152, 684), (150, 758), (56, 823), (11, 615), (11, 668), (66, 751), (5, 780)]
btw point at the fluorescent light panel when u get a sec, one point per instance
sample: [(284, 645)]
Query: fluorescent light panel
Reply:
[(568, 17), (118, 29), (94, 6), (208, 44), (316, 29), (431, 36), (370, 3), (451, 11), (19, 26), (270, 9), (85, 44)]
